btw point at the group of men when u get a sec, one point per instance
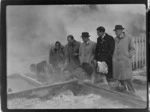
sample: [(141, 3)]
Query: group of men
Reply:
[(115, 52)]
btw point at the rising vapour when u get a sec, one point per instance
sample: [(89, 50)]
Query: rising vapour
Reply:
[(31, 29)]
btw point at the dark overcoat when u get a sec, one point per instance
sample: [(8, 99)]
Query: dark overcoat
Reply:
[(104, 51)]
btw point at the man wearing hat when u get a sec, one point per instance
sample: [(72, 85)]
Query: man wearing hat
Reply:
[(104, 51), (122, 59), (87, 51)]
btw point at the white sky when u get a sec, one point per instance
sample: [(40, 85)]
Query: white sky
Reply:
[(129, 7)]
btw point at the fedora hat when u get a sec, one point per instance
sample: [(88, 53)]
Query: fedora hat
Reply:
[(118, 27), (85, 34)]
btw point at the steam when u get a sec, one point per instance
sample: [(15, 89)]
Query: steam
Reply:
[(31, 29)]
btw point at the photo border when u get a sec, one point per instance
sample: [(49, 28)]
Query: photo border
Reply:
[(3, 47)]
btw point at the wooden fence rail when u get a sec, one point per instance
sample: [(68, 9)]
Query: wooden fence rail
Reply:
[(139, 59)]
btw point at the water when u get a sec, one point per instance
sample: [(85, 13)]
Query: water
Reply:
[(66, 100)]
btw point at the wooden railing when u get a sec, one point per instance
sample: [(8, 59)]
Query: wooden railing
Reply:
[(139, 59)]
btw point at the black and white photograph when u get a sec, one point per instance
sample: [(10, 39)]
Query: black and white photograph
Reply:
[(148, 4), (76, 56), (149, 43)]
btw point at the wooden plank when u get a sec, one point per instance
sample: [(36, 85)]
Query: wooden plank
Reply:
[(29, 93), (145, 51), (132, 99), (139, 59), (140, 53), (133, 58), (137, 52), (143, 46)]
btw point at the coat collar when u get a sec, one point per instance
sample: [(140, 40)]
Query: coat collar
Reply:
[(89, 42), (121, 37), (103, 37), (71, 44)]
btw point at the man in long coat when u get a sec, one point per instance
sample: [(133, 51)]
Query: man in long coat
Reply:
[(105, 49), (72, 53), (122, 58)]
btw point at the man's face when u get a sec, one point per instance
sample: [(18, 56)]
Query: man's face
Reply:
[(100, 33), (85, 39), (69, 40), (118, 32), (57, 45)]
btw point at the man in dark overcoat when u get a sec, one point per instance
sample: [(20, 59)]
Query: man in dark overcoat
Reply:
[(104, 50)]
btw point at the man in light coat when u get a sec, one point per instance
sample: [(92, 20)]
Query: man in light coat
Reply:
[(122, 59), (87, 51)]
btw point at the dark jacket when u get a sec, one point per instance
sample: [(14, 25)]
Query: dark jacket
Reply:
[(104, 52), (104, 48)]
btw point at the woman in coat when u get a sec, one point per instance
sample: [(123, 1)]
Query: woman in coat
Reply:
[(57, 55), (122, 59)]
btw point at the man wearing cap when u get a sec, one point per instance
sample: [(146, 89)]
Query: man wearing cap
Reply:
[(104, 51), (122, 59), (87, 50)]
